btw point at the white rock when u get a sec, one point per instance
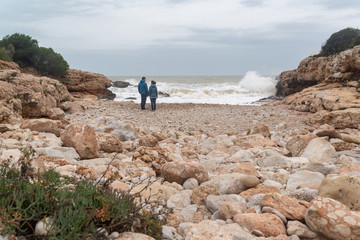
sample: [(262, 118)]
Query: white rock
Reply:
[(43, 227), (319, 150), (66, 153), (301, 177), (168, 232), (179, 200), (273, 184), (191, 183), (189, 212)]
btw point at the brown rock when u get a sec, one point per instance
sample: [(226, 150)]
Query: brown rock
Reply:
[(260, 129), (289, 207), (252, 141), (109, 142), (298, 143), (328, 131), (199, 194), (148, 141), (268, 224), (333, 219), (343, 146), (247, 168), (29, 95), (120, 186), (179, 171), (44, 125), (257, 190), (93, 83), (83, 139), (56, 113)]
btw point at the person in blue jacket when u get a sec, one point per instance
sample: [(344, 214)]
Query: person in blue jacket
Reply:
[(143, 90), (153, 94)]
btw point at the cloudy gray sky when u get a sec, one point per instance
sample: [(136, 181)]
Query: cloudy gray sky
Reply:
[(180, 37)]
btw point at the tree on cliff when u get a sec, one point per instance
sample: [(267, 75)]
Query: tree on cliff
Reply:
[(25, 51), (340, 41)]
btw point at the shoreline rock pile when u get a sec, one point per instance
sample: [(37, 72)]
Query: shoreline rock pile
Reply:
[(304, 185)]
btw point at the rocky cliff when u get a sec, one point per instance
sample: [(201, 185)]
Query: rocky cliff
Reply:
[(25, 95), (341, 68)]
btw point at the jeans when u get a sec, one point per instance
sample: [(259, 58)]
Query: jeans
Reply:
[(153, 103), (143, 101)]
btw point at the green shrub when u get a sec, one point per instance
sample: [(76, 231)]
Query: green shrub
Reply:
[(27, 53), (49, 62), (340, 41), (4, 56), (76, 208)]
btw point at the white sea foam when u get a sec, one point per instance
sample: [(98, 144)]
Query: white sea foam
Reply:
[(255, 83), (234, 90)]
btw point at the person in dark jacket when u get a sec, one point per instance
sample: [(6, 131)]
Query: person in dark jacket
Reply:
[(143, 90), (153, 94)]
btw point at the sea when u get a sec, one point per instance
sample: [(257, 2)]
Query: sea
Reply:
[(232, 90)]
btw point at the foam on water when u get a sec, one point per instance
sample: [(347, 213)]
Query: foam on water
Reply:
[(234, 90)]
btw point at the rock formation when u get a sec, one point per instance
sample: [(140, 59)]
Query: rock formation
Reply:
[(340, 68), (93, 83)]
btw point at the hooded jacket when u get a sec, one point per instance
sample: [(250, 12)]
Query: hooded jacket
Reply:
[(153, 93), (143, 88)]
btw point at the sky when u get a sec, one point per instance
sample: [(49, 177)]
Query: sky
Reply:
[(180, 37)]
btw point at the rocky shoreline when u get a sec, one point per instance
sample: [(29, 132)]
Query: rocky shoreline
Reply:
[(286, 169)]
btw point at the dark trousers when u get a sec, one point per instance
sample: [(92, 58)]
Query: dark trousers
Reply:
[(153, 103), (143, 100)]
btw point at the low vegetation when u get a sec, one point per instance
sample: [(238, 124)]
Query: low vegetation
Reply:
[(25, 51), (70, 209), (340, 41)]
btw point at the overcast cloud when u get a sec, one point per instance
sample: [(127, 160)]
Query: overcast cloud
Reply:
[(180, 37)]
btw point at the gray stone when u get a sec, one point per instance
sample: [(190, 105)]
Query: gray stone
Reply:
[(190, 183), (213, 202), (301, 177), (60, 152)]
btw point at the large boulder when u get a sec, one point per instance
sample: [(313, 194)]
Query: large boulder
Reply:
[(333, 219), (83, 139), (125, 131), (93, 83), (319, 150), (345, 189)]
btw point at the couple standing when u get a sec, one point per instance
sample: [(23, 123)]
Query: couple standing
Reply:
[(151, 92)]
